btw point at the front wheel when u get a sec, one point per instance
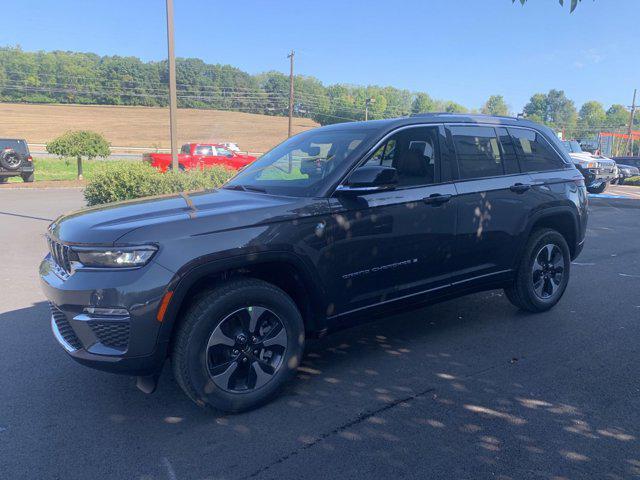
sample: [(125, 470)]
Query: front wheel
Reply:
[(599, 189), (238, 345), (543, 273)]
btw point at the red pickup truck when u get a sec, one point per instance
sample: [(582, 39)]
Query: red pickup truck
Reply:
[(199, 156)]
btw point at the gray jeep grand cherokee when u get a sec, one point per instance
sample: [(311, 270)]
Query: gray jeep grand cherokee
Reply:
[(331, 227)]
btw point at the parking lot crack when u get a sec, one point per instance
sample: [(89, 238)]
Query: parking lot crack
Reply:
[(362, 417)]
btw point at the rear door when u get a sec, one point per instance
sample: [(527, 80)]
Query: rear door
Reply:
[(399, 243), (494, 201)]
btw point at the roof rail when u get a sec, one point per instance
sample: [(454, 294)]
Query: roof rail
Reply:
[(437, 114)]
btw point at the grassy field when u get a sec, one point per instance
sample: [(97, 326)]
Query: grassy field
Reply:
[(145, 126), (54, 169)]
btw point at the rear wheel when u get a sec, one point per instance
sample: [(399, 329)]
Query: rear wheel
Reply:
[(27, 177), (543, 273), (4, 179), (599, 189), (238, 345)]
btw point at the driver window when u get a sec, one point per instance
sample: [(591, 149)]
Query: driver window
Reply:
[(413, 153)]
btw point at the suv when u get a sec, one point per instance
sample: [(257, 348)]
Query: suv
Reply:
[(598, 171), (332, 226), (15, 160)]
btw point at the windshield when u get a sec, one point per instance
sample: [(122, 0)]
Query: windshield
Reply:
[(572, 146), (302, 165)]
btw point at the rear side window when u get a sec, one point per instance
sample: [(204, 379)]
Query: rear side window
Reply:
[(478, 151), (534, 152), (509, 156), (205, 150)]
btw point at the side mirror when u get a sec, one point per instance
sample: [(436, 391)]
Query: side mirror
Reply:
[(369, 179)]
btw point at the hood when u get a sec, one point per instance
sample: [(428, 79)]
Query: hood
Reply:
[(187, 213)]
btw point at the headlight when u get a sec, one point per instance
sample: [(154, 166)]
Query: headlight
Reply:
[(113, 257), (588, 164)]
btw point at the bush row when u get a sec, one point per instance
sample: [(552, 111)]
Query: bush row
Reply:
[(632, 181), (129, 180)]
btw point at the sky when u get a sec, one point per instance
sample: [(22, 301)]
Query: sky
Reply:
[(460, 50)]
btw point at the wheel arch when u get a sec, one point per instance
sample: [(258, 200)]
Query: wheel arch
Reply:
[(562, 219), (282, 269)]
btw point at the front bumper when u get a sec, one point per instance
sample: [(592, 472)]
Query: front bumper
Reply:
[(596, 176), (123, 343)]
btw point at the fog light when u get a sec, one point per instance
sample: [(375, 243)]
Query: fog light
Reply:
[(122, 312)]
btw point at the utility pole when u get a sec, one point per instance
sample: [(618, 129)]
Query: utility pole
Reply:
[(173, 99), (631, 115), (290, 57), (368, 102)]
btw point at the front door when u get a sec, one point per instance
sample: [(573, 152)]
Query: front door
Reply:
[(399, 243)]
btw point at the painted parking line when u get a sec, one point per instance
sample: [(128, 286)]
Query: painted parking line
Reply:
[(607, 195)]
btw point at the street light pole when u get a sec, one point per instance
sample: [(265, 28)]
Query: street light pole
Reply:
[(631, 117), (291, 56), (173, 100)]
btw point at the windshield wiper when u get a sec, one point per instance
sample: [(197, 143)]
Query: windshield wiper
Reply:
[(235, 187), (245, 188), (254, 189)]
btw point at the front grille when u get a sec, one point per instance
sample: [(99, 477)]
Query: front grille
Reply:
[(111, 334), (64, 327), (60, 255)]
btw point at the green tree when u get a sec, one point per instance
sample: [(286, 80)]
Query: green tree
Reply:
[(553, 109), (495, 105), (592, 114), (422, 103), (617, 116), (78, 144)]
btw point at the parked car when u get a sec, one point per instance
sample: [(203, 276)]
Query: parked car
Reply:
[(626, 171), (15, 160), (631, 161), (628, 167), (598, 171), (332, 227), (198, 156)]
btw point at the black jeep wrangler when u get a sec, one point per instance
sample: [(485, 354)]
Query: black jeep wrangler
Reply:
[(15, 160), (329, 228)]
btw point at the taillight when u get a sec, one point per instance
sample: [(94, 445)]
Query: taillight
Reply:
[(29, 158)]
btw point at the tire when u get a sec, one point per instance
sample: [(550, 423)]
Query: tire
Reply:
[(531, 290), (27, 177), (599, 189), (10, 160), (209, 344), (4, 179), (621, 181)]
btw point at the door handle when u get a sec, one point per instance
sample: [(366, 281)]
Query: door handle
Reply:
[(437, 199), (520, 187)]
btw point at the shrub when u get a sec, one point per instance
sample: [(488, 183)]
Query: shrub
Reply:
[(129, 180), (632, 181)]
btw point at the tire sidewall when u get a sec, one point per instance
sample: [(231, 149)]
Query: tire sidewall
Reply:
[(207, 391), (5, 164), (542, 239)]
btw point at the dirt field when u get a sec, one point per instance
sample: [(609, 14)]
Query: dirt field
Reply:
[(145, 127)]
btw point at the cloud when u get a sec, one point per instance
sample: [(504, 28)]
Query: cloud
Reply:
[(588, 57)]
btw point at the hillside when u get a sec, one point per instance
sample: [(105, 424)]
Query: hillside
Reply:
[(146, 126)]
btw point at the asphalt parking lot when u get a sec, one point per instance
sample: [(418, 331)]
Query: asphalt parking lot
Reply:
[(467, 389)]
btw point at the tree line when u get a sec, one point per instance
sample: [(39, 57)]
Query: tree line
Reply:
[(86, 78)]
